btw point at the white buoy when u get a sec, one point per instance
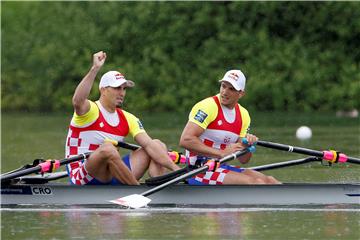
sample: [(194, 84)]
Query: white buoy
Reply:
[(303, 133)]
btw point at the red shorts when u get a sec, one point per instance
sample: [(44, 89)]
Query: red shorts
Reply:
[(78, 173)]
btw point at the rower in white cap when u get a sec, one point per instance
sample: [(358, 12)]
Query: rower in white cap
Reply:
[(94, 122), (218, 126)]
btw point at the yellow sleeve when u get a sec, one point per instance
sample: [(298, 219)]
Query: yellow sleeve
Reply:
[(88, 117), (204, 112), (246, 120), (135, 125)]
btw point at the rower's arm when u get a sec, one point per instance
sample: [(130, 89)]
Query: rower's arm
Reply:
[(156, 150), (79, 100), (245, 158), (190, 140)]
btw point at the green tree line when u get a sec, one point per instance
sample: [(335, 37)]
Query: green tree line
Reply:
[(297, 56)]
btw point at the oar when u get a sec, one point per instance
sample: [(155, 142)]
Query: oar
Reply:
[(40, 178), (140, 200), (175, 156), (166, 177), (154, 181), (285, 164), (43, 167), (329, 155)]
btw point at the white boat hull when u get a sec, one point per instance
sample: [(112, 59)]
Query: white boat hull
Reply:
[(230, 195)]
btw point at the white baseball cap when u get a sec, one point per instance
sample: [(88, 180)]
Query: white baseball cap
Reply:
[(236, 78), (114, 79)]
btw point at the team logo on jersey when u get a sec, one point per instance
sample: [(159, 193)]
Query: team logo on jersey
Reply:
[(140, 124), (101, 124), (220, 122), (200, 116)]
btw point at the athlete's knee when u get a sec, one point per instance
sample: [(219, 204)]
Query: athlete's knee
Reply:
[(140, 155), (108, 151)]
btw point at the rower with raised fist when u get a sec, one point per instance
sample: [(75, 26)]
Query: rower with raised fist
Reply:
[(95, 121)]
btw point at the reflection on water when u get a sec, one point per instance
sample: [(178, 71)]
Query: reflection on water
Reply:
[(181, 223)]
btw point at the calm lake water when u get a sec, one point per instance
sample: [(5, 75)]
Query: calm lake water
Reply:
[(29, 136), (182, 223)]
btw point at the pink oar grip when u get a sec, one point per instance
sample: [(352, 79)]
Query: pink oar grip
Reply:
[(342, 158), (57, 164), (174, 156), (182, 159), (328, 155), (211, 165), (46, 166)]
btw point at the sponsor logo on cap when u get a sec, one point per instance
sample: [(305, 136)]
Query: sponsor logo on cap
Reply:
[(119, 76), (234, 76)]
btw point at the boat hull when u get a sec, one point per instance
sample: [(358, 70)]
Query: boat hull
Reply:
[(182, 194)]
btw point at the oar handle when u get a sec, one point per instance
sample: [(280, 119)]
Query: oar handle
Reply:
[(125, 145), (193, 173), (326, 155)]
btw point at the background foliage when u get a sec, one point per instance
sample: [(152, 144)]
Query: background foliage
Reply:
[(297, 56)]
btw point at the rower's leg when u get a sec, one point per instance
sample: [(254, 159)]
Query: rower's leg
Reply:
[(105, 163), (273, 180), (140, 162), (240, 178), (161, 165), (258, 175), (158, 168)]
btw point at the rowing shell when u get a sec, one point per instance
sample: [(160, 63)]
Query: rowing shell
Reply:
[(183, 194)]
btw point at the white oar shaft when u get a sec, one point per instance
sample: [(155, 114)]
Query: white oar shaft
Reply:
[(140, 200), (285, 164), (193, 173)]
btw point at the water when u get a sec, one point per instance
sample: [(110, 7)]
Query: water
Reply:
[(182, 223)]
